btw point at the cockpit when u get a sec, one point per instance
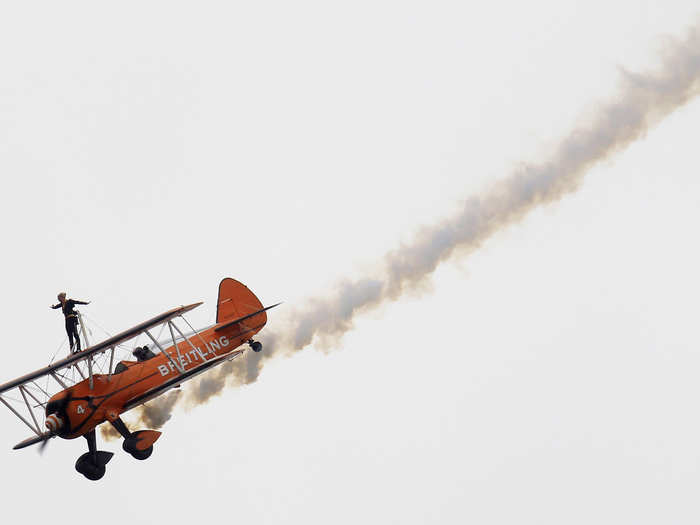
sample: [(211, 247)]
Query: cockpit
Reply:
[(141, 353)]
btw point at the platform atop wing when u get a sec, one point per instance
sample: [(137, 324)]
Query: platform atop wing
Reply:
[(100, 347)]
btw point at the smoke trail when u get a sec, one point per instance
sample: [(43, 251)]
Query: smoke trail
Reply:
[(108, 432), (156, 413), (152, 415), (643, 100)]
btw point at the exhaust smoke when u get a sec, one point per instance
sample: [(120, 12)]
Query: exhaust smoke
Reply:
[(643, 100)]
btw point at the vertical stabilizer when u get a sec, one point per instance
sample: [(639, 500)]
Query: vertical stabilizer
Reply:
[(236, 301)]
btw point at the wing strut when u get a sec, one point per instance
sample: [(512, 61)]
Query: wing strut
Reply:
[(42, 390), (197, 350), (80, 372), (111, 362), (87, 345), (82, 329), (53, 374), (177, 350), (29, 407), (89, 361), (40, 403), (22, 418), (162, 351), (196, 333)]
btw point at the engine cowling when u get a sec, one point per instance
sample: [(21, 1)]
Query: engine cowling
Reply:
[(54, 423)]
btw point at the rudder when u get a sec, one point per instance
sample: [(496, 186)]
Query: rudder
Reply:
[(235, 301)]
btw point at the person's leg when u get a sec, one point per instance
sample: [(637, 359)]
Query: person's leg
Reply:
[(69, 331), (72, 329), (76, 334)]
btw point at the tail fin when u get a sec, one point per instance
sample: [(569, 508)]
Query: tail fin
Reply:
[(236, 301)]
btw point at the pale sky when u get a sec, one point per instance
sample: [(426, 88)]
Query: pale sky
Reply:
[(150, 149)]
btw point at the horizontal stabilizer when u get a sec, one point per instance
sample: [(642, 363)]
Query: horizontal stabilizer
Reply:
[(245, 317)]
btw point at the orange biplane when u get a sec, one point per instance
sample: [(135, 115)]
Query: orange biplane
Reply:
[(94, 398)]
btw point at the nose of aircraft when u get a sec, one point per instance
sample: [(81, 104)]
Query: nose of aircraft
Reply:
[(54, 422)]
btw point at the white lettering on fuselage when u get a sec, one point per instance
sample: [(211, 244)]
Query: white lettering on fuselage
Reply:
[(194, 355)]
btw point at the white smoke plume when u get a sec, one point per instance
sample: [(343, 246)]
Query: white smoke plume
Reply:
[(642, 101), (152, 415)]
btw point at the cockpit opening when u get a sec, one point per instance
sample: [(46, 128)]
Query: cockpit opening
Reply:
[(143, 353)]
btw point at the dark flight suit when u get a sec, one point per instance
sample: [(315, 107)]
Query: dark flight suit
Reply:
[(71, 321)]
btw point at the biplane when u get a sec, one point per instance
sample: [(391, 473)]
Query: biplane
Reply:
[(88, 395)]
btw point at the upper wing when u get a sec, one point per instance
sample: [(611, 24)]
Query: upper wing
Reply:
[(99, 347)]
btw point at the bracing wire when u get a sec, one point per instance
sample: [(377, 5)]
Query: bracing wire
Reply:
[(58, 349)]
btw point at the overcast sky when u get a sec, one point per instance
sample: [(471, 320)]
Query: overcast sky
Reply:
[(150, 149)]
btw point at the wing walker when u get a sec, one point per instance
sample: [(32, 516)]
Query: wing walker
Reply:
[(91, 392)]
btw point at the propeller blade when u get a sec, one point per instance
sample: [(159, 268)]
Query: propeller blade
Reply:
[(42, 446), (33, 440)]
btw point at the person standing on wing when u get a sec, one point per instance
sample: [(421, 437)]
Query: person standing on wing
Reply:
[(71, 318)]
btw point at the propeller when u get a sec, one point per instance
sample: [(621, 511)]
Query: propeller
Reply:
[(42, 445), (41, 438), (54, 423)]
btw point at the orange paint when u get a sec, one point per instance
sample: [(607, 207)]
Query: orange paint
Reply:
[(113, 395)]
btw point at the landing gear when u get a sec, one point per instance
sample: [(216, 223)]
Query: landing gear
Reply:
[(140, 443), (92, 463), (255, 345), (130, 445)]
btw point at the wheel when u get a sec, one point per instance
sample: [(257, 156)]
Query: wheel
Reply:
[(94, 473), (129, 445), (142, 454), (87, 468), (256, 346)]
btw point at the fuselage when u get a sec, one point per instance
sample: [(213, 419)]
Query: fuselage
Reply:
[(82, 408)]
